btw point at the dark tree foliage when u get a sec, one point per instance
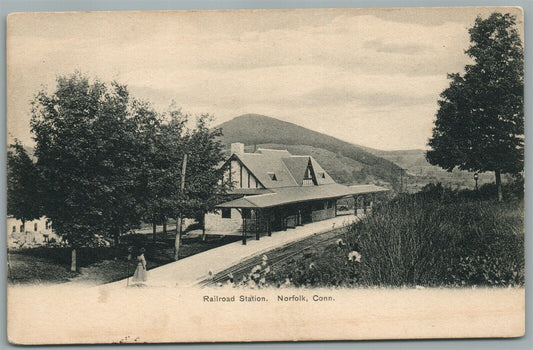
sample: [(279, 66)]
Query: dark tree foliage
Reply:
[(162, 164), (23, 185), (107, 161), (204, 187), (480, 122), (87, 150)]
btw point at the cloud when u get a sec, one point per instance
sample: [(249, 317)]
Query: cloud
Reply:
[(409, 49), (370, 68), (328, 96)]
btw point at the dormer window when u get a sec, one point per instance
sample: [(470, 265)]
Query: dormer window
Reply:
[(273, 176), (323, 175), (307, 175)]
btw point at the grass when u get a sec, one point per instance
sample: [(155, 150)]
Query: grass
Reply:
[(415, 242), (418, 240), (102, 264)]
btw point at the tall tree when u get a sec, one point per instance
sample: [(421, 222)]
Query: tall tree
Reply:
[(86, 149), (23, 185), (204, 187), (480, 122), (161, 165)]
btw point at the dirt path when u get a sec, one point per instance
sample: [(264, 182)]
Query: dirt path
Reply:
[(197, 268)]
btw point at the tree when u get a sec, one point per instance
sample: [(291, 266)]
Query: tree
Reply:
[(87, 155), (480, 121), (204, 186), (163, 153), (23, 185)]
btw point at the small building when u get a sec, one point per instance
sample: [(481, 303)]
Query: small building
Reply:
[(29, 234), (274, 190)]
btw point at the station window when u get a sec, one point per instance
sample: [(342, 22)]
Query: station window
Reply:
[(14, 228), (226, 213), (21, 228), (35, 227), (307, 175)]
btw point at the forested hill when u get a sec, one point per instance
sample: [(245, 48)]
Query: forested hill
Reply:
[(346, 162), (407, 159)]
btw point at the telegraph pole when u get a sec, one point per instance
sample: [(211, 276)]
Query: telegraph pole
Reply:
[(180, 216)]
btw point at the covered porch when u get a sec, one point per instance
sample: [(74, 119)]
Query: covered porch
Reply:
[(290, 207)]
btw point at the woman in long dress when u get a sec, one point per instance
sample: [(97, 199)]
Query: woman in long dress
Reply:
[(140, 274)]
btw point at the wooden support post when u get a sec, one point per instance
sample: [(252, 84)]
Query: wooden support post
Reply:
[(269, 222), (243, 231), (355, 203), (257, 235), (364, 204)]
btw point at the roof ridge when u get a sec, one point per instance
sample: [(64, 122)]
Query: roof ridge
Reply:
[(272, 149), (258, 195)]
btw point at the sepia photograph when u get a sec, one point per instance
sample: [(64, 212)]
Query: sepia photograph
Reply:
[(265, 175)]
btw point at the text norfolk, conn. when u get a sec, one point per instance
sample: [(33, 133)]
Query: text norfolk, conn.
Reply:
[(257, 298)]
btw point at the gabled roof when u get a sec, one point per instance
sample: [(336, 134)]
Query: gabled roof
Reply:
[(264, 162), (279, 168), (322, 176), (296, 166)]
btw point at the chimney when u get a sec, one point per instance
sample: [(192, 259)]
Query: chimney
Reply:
[(237, 148)]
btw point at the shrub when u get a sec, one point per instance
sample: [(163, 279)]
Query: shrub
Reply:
[(413, 241), (416, 242), (512, 190)]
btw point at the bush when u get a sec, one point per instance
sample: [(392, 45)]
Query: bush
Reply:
[(413, 241), (512, 191), (193, 226), (416, 242)]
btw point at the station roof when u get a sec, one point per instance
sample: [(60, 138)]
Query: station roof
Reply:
[(297, 194), (288, 169)]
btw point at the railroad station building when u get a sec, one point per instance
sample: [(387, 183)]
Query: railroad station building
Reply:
[(274, 190)]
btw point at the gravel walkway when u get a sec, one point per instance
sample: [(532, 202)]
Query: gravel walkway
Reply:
[(191, 271)]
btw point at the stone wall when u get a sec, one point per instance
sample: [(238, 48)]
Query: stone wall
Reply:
[(216, 225)]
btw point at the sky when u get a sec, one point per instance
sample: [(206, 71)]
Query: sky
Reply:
[(371, 77)]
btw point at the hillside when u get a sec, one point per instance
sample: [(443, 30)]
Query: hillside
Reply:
[(420, 172), (346, 162), (407, 159)]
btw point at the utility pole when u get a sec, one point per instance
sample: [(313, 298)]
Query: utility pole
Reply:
[(180, 216), (401, 180)]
